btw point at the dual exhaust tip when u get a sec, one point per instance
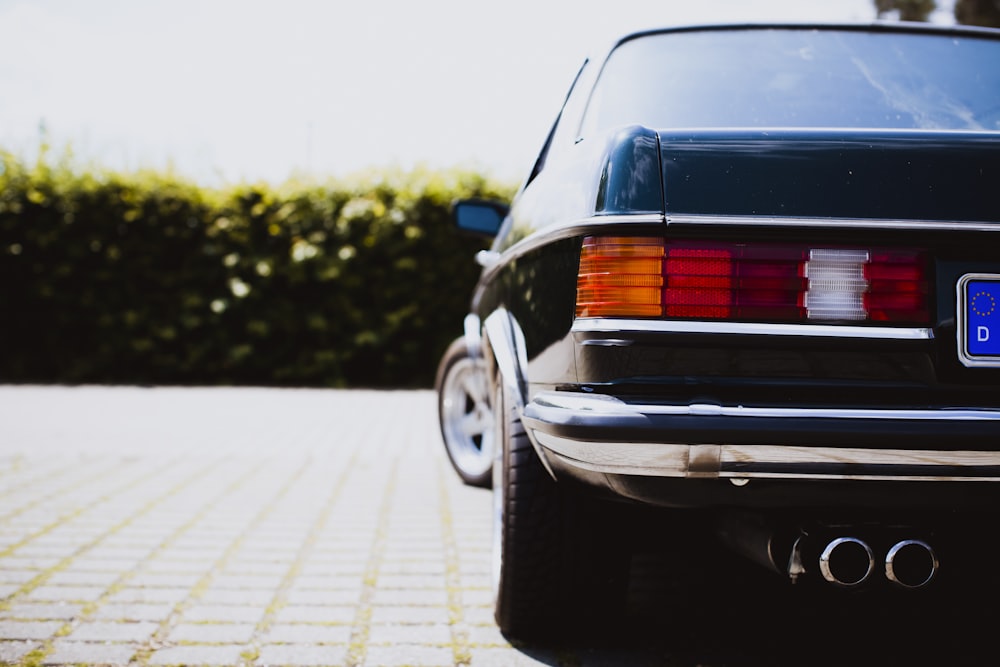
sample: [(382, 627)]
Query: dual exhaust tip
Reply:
[(849, 561)]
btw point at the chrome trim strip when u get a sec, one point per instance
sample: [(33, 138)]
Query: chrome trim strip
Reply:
[(623, 327), (507, 343), (962, 323), (850, 223), (608, 342), (688, 461), (568, 229), (576, 227), (610, 406)]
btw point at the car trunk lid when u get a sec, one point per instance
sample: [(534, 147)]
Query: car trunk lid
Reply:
[(867, 174)]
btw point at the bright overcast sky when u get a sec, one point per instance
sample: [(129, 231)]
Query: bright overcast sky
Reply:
[(235, 90)]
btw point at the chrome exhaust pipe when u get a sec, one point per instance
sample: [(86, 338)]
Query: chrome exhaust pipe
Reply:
[(847, 562), (911, 564)]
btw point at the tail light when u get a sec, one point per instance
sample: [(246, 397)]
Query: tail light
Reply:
[(651, 277), (621, 275)]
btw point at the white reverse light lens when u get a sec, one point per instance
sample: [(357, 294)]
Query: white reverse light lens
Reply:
[(836, 284)]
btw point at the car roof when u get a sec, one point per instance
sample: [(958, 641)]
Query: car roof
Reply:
[(897, 27)]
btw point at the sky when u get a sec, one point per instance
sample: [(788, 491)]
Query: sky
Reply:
[(231, 91)]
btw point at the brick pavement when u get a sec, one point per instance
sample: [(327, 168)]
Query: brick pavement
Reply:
[(241, 527)]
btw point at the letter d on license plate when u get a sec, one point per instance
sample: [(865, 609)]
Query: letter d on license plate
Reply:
[(979, 319)]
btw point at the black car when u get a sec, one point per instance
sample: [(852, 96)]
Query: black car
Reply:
[(749, 293)]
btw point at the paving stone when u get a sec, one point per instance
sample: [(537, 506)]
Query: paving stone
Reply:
[(135, 612), (478, 615), (12, 651), (175, 580), (413, 567), (305, 655), (167, 567), (262, 555), (411, 598), (224, 613), (245, 582), (477, 597), (308, 582), (307, 633), (212, 633), (393, 615), (197, 556), (257, 568), (18, 562), (209, 548), (409, 634), (485, 635), (111, 554), (106, 631), (76, 578), (42, 611), (234, 597), (316, 614), (148, 595), (409, 656), (335, 597), (84, 653), (324, 597), (28, 629), (197, 655), (53, 554), (7, 590), (414, 554), (16, 576), (66, 593), (342, 543), (337, 568), (411, 581)]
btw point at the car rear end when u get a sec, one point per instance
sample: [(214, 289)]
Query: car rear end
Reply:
[(807, 343), (750, 295)]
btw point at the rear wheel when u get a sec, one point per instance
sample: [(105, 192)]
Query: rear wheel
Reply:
[(559, 566), (464, 414)]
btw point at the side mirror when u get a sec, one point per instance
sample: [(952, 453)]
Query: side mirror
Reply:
[(479, 216)]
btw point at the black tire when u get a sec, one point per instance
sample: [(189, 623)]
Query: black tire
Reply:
[(464, 415), (560, 567)]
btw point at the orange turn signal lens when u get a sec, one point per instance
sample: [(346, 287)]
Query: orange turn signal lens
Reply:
[(620, 277)]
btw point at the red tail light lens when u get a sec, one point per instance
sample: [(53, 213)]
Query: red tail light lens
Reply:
[(649, 277), (733, 281), (897, 287), (699, 282)]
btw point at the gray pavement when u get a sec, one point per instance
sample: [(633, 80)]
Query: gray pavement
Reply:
[(174, 526), (237, 527), (171, 526)]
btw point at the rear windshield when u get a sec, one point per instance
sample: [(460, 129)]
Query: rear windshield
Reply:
[(799, 78)]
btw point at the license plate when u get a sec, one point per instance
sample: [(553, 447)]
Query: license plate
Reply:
[(979, 319)]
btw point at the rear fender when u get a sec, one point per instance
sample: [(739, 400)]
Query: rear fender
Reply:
[(506, 343), (505, 339)]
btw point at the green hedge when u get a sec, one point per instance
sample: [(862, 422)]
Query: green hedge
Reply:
[(148, 279)]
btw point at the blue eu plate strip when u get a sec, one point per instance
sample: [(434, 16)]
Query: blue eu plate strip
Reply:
[(982, 316)]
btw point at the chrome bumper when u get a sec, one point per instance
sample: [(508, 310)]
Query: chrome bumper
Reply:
[(604, 434)]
